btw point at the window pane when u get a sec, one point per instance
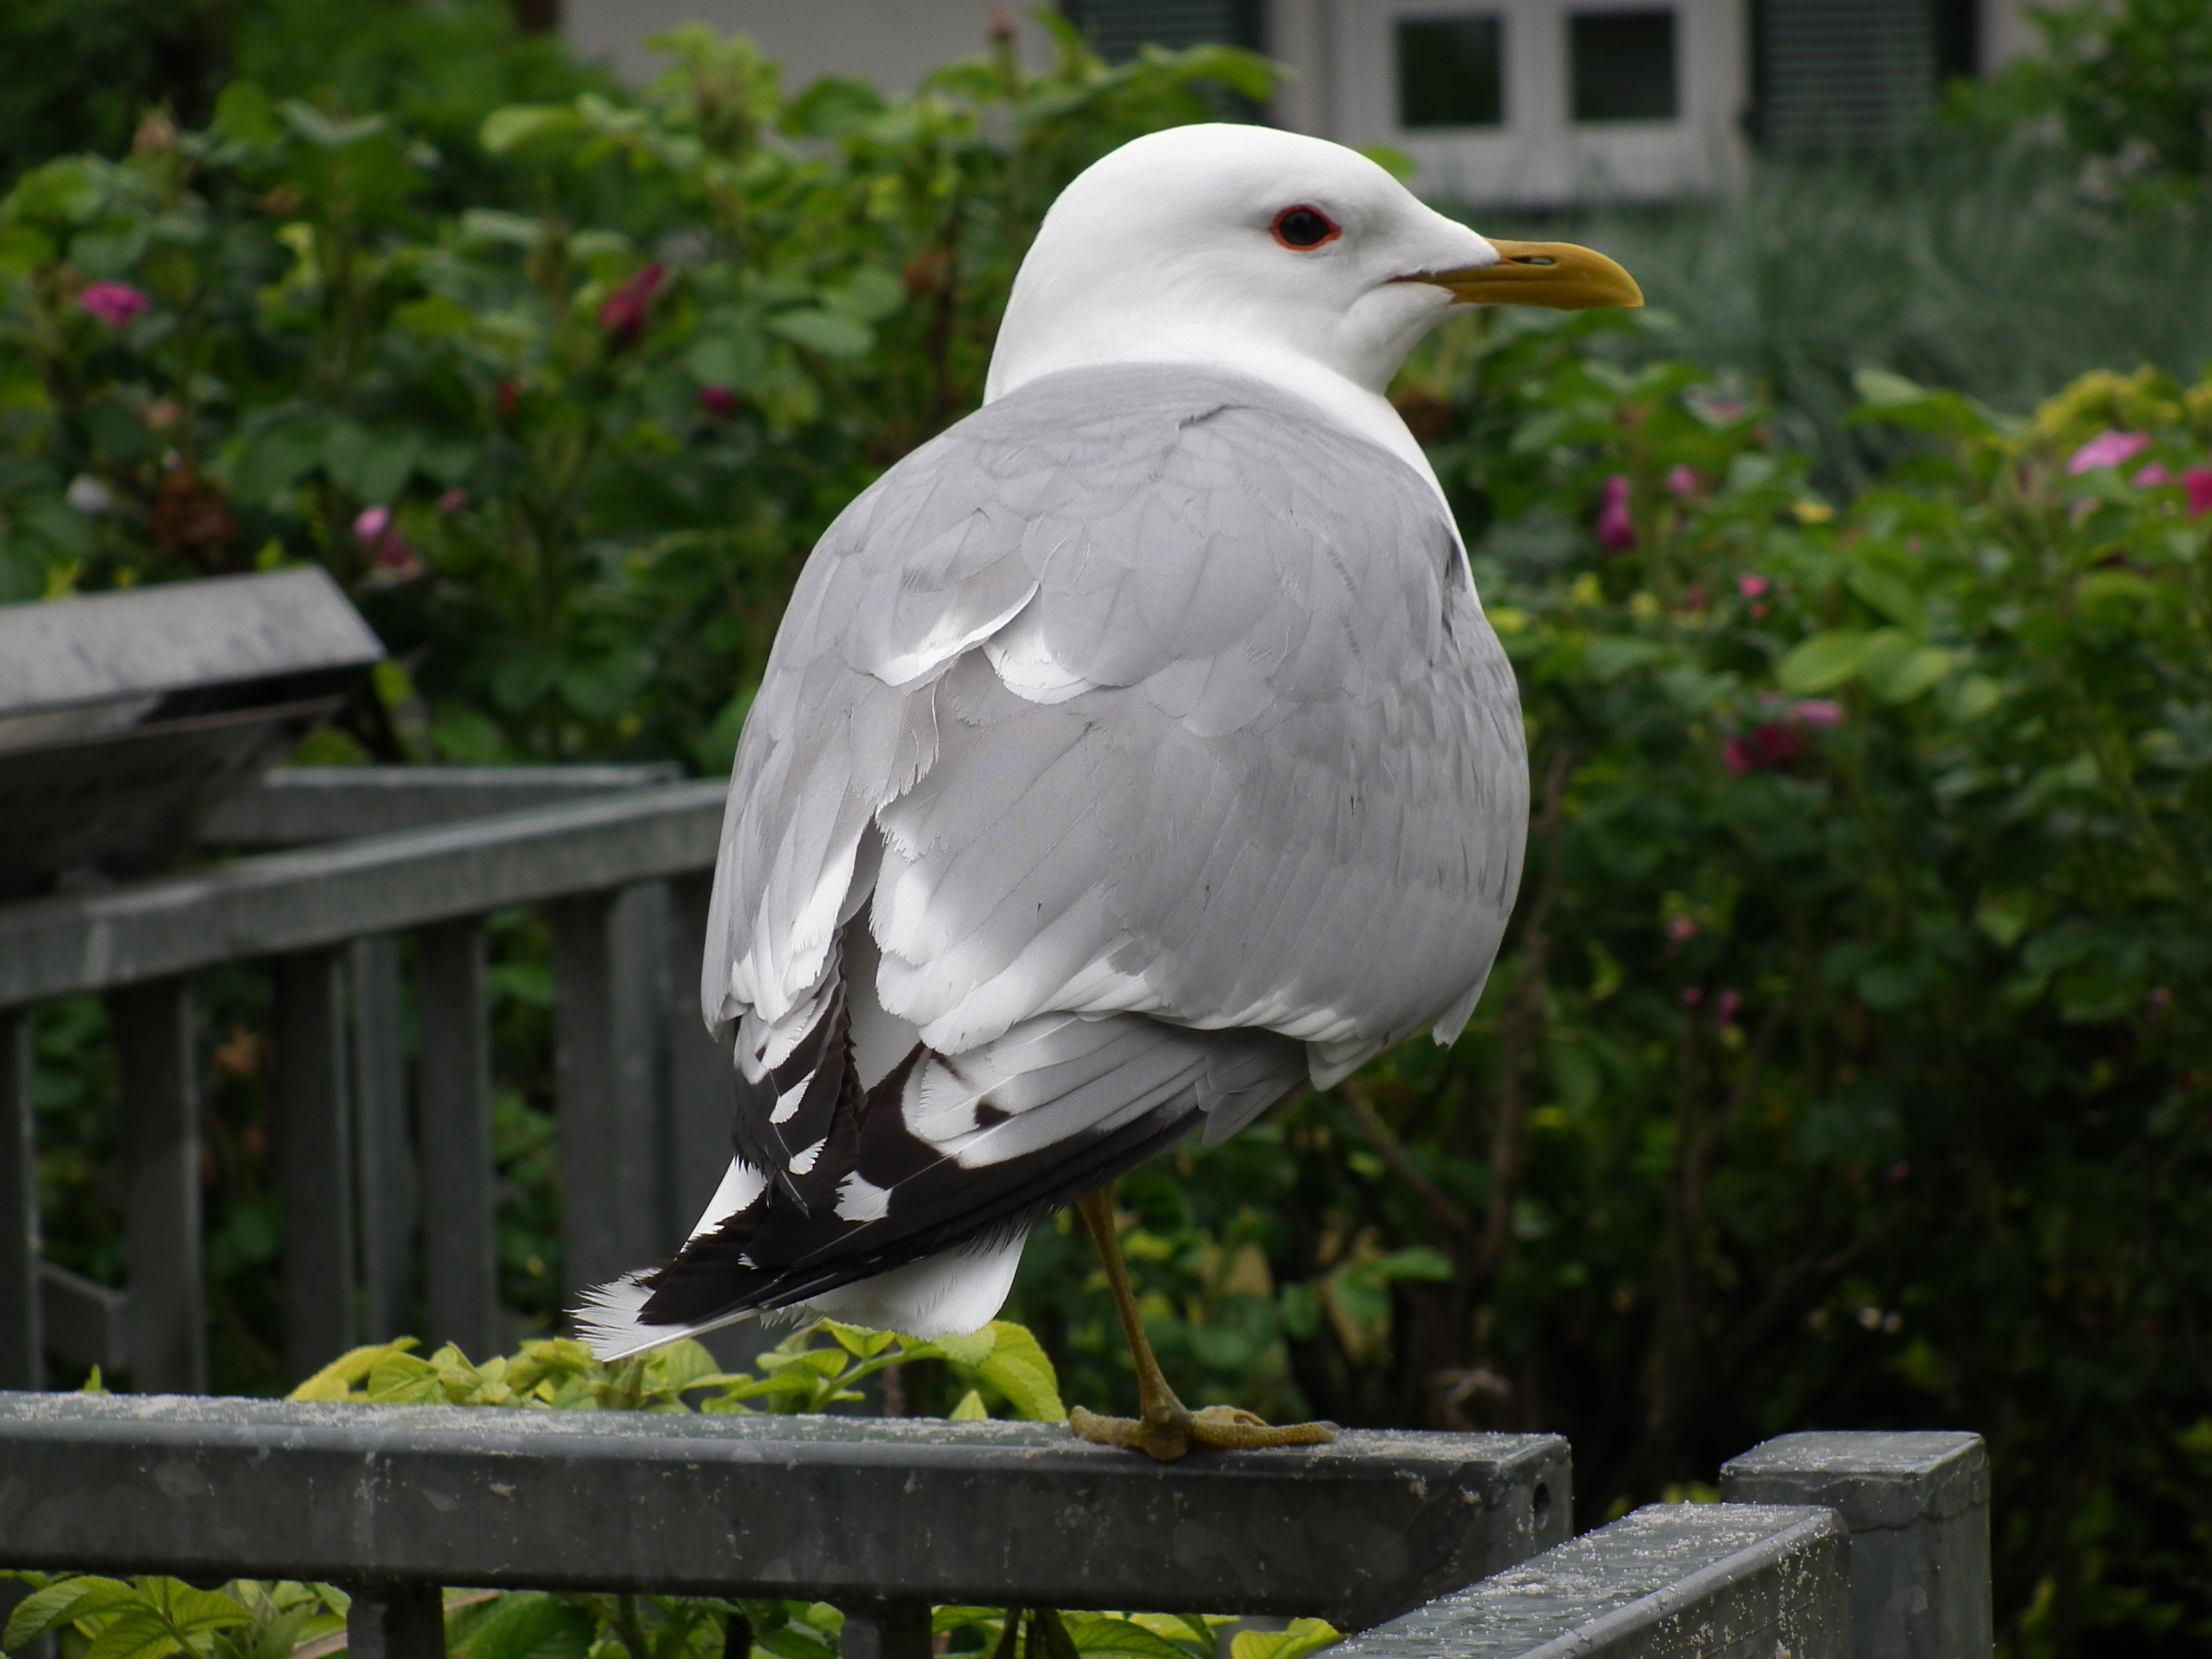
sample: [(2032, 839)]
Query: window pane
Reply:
[(1623, 65), (1450, 72)]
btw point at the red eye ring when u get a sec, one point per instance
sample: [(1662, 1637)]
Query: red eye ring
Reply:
[(1303, 228)]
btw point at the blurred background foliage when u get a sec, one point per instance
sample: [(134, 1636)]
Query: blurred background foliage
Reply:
[(1847, 1065)]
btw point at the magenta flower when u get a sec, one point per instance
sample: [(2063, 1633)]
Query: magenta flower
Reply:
[(719, 401), (1616, 530), (1681, 928), (1751, 586), (453, 500), (1764, 748), (1724, 1013), (623, 315), (373, 530), (113, 303), (1682, 482), (2152, 477), (2107, 449), (2197, 480), (1818, 712)]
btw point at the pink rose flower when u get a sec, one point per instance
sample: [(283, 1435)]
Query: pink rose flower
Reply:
[(1682, 482), (373, 529), (2152, 477), (1724, 1013), (113, 303), (1681, 928), (719, 401), (2197, 480), (453, 500), (2107, 449), (1751, 586), (1818, 712), (1616, 530)]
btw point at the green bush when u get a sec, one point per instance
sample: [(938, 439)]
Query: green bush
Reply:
[(1847, 1065)]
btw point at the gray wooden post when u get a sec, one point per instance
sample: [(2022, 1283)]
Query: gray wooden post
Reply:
[(22, 1335), (606, 1043), (395, 1621), (699, 1091), (886, 1630), (460, 1187), (1918, 1508), (381, 1150), (159, 1073), (314, 1172)]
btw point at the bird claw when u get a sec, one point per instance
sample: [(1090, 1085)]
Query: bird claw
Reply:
[(1172, 1435)]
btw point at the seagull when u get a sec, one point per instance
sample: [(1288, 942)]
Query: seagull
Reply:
[(1131, 754)]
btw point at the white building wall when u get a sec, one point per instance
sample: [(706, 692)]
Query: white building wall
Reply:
[(892, 42), (1344, 79)]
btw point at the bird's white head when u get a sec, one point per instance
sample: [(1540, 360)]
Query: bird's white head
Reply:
[(1249, 247)]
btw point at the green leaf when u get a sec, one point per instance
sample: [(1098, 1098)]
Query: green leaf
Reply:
[(1419, 1262), (1104, 1635), (733, 354), (336, 1380), (858, 1340), (1887, 591), (1018, 1369), (525, 1625), (969, 1410), (518, 124), (830, 332), (1911, 674), (191, 1609), (276, 456), (134, 1635), (1610, 658), (63, 1603), (1304, 1637), (1823, 661)]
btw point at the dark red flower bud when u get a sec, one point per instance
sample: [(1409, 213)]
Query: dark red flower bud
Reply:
[(623, 315)]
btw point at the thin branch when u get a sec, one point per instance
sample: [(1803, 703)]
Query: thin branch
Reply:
[(1392, 1150)]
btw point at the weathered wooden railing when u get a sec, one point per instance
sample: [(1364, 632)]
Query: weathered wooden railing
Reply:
[(642, 1098), (1432, 1546)]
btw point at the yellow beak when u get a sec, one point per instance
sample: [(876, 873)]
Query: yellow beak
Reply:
[(1556, 274)]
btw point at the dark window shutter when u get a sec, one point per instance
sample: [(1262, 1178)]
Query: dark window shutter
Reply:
[(1847, 73), (1116, 28)]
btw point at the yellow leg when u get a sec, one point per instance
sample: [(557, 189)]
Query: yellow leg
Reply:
[(1165, 1426)]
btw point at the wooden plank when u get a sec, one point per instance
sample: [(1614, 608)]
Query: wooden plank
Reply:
[(22, 1336), (160, 1074), (314, 1161), (1917, 1505), (839, 1508), (1671, 1581), (384, 1153), (146, 641), (284, 902), (700, 1096), (612, 1132), (303, 805), (459, 1196)]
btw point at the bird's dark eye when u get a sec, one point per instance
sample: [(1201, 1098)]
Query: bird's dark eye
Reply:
[(1304, 228)]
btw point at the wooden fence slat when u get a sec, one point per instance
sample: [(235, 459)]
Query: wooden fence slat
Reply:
[(382, 1152), (160, 1068), (314, 1163), (460, 1184), (22, 1335)]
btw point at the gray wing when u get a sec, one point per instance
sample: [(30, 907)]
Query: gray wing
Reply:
[(1164, 696), (1155, 727)]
